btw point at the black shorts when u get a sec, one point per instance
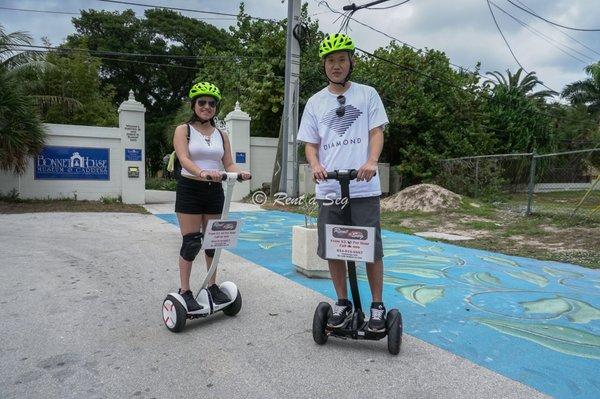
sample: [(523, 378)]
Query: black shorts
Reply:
[(199, 197), (364, 212)]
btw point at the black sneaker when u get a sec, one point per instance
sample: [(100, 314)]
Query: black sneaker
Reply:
[(377, 320), (190, 301), (342, 313), (218, 296)]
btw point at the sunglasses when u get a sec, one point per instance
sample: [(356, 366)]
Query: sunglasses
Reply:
[(202, 103), (341, 111)]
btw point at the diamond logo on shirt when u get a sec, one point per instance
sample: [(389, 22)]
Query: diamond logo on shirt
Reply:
[(338, 124)]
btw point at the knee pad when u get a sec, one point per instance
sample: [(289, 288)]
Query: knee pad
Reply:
[(191, 246), (210, 253)]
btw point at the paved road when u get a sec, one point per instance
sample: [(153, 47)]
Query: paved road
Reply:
[(81, 296)]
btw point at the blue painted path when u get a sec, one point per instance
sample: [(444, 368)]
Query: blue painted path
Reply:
[(537, 322)]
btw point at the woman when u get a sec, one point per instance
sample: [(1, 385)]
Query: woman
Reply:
[(203, 151)]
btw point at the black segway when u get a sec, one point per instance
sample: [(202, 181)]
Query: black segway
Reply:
[(356, 328)]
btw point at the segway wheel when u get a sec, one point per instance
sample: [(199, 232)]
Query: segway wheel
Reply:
[(322, 314), (394, 331), (235, 306), (174, 314)]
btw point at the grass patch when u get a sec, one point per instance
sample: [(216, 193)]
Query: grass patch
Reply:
[(558, 203), (111, 200), (529, 226), (11, 196), (482, 225), (556, 197), (474, 208)]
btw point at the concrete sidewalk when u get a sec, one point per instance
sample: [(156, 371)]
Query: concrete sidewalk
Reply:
[(82, 295)]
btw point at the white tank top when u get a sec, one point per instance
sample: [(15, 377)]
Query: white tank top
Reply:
[(205, 151)]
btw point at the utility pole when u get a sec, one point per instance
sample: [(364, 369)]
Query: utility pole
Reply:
[(288, 179)]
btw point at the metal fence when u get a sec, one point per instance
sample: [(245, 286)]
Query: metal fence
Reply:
[(559, 183)]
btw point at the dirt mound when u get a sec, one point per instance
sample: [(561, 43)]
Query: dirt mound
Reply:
[(423, 198)]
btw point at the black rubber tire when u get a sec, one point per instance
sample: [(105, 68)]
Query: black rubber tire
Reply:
[(322, 314), (394, 331), (235, 306), (180, 315)]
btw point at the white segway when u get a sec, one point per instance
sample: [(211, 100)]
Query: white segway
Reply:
[(174, 308)]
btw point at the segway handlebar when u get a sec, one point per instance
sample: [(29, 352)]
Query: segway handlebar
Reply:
[(229, 176), (341, 174)]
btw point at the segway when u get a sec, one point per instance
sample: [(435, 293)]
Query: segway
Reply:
[(355, 328), (174, 308)]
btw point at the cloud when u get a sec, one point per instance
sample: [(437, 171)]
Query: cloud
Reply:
[(463, 29)]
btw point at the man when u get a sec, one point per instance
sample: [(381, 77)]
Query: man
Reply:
[(342, 126)]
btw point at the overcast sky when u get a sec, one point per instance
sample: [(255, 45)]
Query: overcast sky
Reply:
[(463, 29)]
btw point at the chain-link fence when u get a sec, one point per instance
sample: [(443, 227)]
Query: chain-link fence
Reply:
[(560, 183)]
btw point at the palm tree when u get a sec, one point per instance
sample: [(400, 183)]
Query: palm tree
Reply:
[(21, 131), (586, 91), (524, 85)]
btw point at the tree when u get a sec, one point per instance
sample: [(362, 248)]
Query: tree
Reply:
[(586, 92), (519, 123), (160, 83), (434, 111), (77, 76), (21, 133), (574, 127), (514, 82), (253, 72)]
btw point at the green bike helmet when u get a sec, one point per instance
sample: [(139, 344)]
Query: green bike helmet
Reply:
[(335, 42), (205, 89)]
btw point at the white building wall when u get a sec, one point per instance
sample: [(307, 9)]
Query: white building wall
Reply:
[(129, 135), (72, 136), (262, 151)]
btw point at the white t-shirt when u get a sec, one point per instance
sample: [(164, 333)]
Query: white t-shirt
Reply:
[(343, 141)]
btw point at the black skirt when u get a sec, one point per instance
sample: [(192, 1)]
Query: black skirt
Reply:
[(199, 197)]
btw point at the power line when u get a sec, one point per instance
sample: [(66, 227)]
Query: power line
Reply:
[(545, 37), (123, 60), (388, 7), (119, 53), (353, 7), (409, 69), (564, 33), (49, 50), (550, 22), (413, 70), (508, 45), (535, 110), (444, 82), (502, 34), (429, 76), (460, 67), (183, 9), (78, 13), (540, 112), (41, 11)]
